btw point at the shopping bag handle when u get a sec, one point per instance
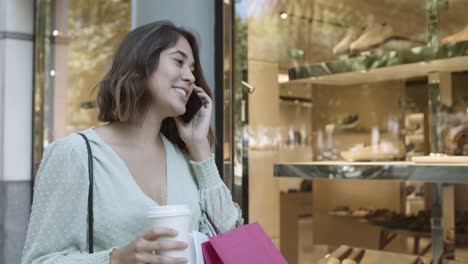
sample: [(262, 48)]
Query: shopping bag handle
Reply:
[(213, 225)]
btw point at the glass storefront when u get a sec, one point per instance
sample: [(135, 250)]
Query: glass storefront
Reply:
[(360, 91), (75, 41)]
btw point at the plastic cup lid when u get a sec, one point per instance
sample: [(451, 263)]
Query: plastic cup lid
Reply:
[(168, 210)]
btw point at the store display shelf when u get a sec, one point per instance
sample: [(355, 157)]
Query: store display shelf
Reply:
[(398, 170), (374, 256), (384, 66)]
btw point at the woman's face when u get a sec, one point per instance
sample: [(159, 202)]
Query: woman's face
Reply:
[(172, 82)]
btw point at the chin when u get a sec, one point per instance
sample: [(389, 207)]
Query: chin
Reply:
[(178, 111)]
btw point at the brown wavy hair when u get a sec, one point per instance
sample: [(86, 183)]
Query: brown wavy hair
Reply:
[(123, 94)]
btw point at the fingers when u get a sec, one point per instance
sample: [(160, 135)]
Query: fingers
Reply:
[(150, 258), (198, 89), (158, 245), (202, 94), (154, 233), (148, 243), (204, 97), (179, 122)]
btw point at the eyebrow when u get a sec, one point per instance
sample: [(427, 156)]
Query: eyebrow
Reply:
[(180, 52)]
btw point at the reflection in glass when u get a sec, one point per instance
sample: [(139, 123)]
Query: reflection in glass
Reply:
[(88, 35), (74, 44), (343, 91)]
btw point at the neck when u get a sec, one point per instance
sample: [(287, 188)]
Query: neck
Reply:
[(144, 135)]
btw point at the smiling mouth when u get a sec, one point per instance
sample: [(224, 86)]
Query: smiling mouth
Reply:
[(181, 91)]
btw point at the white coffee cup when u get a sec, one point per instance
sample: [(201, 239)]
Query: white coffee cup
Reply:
[(177, 217)]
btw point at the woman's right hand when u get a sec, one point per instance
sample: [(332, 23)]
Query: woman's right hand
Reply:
[(140, 250)]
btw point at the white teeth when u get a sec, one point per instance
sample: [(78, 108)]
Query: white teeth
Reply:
[(181, 91)]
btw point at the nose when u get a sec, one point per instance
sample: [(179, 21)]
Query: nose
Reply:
[(187, 75)]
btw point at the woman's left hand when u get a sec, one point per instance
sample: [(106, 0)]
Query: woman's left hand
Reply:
[(195, 133)]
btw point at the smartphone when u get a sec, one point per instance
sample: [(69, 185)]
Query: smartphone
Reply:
[(194, 104)]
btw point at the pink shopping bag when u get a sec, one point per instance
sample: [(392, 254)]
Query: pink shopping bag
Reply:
[(247, 244)]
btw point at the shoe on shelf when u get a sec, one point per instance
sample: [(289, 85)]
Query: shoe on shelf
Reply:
[(342, 210), (348, 122), (456, 140), (373, 35), (459, 36), (343, 46), (360, 212), (381, 152)]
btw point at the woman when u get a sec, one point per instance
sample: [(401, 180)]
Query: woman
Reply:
[(144, 156)]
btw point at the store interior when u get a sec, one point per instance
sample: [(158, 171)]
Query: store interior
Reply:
[(342, 82)]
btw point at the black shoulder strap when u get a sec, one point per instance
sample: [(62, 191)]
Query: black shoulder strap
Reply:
[(90, 194)]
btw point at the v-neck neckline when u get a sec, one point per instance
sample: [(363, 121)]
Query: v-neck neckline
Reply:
[(129, 173)]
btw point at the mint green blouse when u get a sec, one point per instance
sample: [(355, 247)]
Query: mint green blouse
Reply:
[(57, 231)]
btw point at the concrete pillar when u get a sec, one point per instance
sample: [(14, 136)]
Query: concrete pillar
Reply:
[(16, 88), (16, 100)]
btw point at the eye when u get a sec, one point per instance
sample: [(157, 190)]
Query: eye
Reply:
[(179, 62)]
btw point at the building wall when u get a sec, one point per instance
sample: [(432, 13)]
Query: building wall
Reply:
[(16, 86), (16, 91)]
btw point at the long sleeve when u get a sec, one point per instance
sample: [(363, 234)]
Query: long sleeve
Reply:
[(215, 198), (57, 231)]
